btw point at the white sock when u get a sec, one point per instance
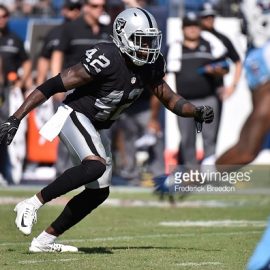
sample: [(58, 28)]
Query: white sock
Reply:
[(46, 238), (35, 201)]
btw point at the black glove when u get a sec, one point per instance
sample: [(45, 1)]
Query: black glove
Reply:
[(8, 129), (203, 114)]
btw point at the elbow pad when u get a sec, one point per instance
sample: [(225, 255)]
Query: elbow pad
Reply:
[(52, 86)]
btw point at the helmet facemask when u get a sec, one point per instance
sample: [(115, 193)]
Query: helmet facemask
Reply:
[(144, 47)]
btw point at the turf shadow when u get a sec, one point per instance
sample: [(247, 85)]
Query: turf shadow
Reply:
[(163, 247), (96, 250), (109, 250)]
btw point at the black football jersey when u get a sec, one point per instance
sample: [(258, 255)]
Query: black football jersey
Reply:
[(116, 85), (51, 41), (12, 52)]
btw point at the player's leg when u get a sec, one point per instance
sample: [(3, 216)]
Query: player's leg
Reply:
[(252, 134), (260, 259), (84, 142), (78, 207)]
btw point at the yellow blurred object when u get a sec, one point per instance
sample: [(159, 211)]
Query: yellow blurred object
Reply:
[(147, 180)]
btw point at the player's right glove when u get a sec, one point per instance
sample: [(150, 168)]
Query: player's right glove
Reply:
[(203, 114), (8, 129)]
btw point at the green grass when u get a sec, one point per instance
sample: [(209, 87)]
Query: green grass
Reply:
[(132, 238)]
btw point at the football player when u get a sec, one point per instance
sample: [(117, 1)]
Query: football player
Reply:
[(109, 78), (257, 67), (257, 125)]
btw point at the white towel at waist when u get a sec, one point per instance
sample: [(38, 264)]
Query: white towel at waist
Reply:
[(53, 127)]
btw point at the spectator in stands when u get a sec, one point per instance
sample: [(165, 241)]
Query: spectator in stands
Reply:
[(44, 8), (79, 34), (14, 57), (11, 5), (28, 8), (13, 53), (32, 8), (192, 62), (70, 11), (207, 16)]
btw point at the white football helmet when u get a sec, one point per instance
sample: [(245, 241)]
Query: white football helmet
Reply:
[(257, 15), (136, 33)]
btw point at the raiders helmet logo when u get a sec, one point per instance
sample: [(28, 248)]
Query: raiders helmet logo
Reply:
[(120, 24)]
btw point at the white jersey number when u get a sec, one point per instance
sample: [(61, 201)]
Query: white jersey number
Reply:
[(97, 63)]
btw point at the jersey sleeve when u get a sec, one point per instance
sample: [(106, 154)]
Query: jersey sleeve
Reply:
[(218, 49), (232, 53), (22, 54), (64, 37), (51, 41), (98, 61)]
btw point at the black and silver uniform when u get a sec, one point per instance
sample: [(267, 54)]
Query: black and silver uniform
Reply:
[(116, 86)]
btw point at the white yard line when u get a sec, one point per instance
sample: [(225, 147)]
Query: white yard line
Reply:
[(162, 204), (76, 259), (198, 264), (214, 223), (45, 261)]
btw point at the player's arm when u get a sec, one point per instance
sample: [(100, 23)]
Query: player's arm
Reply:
[(180, 106), (70, 78), (154, 123), (56, 67), (172, 101)]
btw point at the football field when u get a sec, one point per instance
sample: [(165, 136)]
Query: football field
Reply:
[(134, 230)]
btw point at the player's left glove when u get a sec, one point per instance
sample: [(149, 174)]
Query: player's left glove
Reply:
[(8, 129), (203, 114)]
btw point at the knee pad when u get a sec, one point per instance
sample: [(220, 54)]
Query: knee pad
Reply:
[(92, 169), (105, 179)]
